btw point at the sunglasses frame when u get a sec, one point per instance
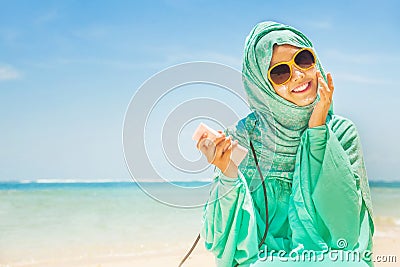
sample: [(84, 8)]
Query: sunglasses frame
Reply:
[(290, 64)]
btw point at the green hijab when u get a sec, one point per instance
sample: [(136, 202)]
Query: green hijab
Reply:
[(280, 123)]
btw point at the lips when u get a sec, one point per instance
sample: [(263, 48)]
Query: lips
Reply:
[(302, 88)]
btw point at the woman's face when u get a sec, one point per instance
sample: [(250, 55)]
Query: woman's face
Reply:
[(301, 89)]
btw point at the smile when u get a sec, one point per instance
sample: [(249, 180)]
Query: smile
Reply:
[(302, 88)]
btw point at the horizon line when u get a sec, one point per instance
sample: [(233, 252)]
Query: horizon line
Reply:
[(372, 183)]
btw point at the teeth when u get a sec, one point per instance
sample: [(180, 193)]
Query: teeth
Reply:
[(300, 88)]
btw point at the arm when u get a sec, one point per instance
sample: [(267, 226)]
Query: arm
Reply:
[(229, 221), (327, 186)]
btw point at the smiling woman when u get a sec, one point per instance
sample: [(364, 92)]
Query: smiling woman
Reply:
[(285, 77), (304, 186)]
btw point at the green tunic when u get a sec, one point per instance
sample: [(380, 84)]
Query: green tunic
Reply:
[(322, 203), (317, 187)]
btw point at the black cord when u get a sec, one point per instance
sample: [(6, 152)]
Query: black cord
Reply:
[(190, 251), (265, 197)]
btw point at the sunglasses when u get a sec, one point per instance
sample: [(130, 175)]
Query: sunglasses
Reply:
[(281, 72)]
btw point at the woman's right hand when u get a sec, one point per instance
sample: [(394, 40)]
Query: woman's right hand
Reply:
[(218, 152)]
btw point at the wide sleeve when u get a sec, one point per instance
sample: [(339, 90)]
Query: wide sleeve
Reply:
[(337, 196), (229, 224), (229, 220), (350, 140), (326, 202)]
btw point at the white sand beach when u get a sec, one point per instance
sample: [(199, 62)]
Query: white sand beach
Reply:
[(386, 248)]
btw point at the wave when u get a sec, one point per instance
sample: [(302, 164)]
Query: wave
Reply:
[(81, 181), (372, 183), (66, 181), (384, 183)]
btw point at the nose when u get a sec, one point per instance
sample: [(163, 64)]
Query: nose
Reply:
[(297, 74)]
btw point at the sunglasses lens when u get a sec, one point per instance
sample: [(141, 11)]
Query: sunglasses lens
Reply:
[(304, 59), (280, 73)]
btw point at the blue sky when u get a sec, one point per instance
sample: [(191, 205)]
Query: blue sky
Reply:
[(68, 70)]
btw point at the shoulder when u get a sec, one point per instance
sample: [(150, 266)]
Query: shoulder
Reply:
[(243, 126)]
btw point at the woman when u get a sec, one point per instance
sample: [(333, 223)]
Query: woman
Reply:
[(310, 159)]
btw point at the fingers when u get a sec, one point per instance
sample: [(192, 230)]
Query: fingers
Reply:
[(219, 139), (228, 150), (224, 150), (204, 140), (325, 90), (223, 146), (321, 82), (226, 144), (330, 82), (322, 93)]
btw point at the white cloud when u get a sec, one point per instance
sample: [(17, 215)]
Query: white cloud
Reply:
[(8, 73)]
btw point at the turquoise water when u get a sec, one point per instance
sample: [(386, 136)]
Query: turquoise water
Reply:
[(38, 219), (84, 218)]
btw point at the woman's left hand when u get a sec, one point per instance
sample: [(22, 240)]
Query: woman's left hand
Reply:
[(318, 117)]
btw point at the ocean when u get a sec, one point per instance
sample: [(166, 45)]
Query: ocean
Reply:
[(40, 220)]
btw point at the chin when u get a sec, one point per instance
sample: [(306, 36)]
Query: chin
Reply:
[(307, 100)]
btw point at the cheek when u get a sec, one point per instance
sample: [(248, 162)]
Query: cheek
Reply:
[(313, 75), (281, 89)]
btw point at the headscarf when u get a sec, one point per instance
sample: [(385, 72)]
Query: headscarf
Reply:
[(280, 123)]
